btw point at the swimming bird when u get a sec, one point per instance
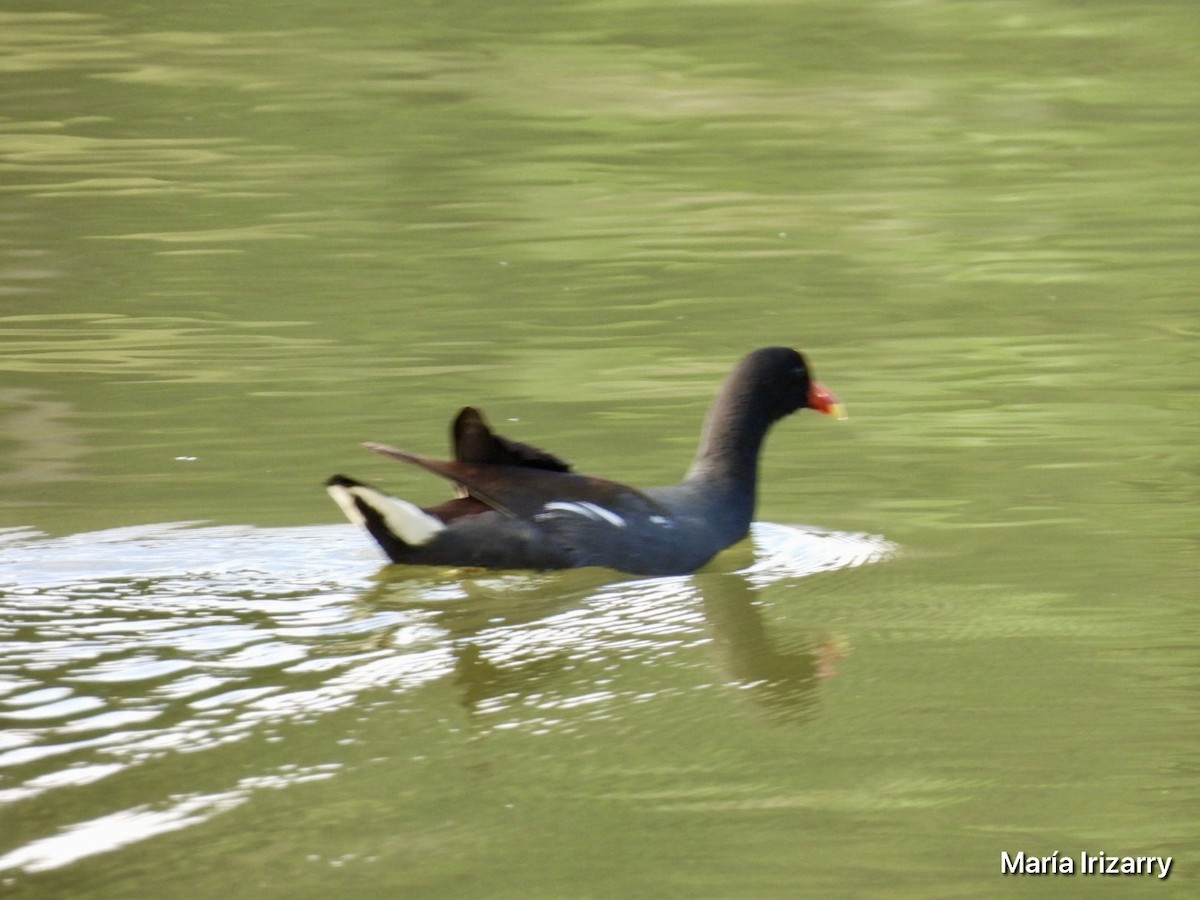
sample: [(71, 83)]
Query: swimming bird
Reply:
[(519, 507)]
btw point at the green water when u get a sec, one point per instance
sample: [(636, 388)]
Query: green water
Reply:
[(237, 240)]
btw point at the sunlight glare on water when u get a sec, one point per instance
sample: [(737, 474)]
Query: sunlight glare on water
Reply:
[(200, 649)]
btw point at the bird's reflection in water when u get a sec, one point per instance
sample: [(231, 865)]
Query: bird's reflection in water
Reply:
[(497, 625), (481, 680), (515, 635), (784, 682)]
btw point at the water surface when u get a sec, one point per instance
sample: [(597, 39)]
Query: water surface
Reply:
[(234, 244)]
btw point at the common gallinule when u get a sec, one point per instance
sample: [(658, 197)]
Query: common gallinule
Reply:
[(519, 507)]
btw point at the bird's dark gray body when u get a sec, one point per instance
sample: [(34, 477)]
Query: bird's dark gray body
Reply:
[(521, 507)]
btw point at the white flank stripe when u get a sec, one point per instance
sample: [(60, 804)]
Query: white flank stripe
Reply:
[(590, 510)]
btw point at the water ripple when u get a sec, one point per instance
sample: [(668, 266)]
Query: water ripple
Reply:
[(134, 644)]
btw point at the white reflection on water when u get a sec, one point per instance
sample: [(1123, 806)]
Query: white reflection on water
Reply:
[(129, 826), (134, 644)]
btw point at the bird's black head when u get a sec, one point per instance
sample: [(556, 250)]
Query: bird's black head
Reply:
[(780, 382)]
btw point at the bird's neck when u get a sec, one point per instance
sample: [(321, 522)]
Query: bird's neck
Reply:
[(727, 459)]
